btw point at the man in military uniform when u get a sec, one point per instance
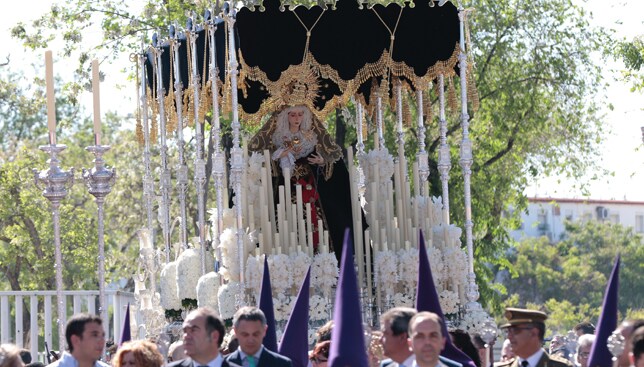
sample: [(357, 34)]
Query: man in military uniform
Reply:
[(525, 329)]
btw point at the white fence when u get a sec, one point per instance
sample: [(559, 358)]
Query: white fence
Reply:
[(41, 324)]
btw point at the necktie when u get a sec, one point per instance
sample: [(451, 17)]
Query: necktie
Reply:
[(525, 363), (251, 361)]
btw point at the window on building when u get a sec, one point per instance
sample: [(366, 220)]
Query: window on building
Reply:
[(639, 223), (614, 218), (587, 217)]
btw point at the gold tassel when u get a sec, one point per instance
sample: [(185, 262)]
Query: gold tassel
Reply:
[(472, 91), (407, 117), (428, 109), (140, 138), (451, 96), (154, 107)]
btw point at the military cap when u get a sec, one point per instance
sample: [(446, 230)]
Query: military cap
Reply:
[(517, 316)]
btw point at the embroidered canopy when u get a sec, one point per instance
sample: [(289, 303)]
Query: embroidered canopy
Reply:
[(320, 56)]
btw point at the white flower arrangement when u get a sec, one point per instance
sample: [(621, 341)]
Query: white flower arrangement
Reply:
[(318, 308), (254, 274), (229, 252), (188, 273), (208, 289), (283, 305), (408, 267), (435, 257), (168, 287), (281, 277), (313, 336), (455, 260), (324, 273), (226, 299), (300, 265), (448, 301), (472, 322), (404, 300), (386, 271)]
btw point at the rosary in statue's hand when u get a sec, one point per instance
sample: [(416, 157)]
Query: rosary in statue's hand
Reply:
[(316, 159)]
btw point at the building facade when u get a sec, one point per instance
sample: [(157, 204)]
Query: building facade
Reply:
[(546, 216)]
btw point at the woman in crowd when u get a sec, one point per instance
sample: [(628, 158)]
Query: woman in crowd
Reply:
[(10, 356), (139, 353), (320, 355)]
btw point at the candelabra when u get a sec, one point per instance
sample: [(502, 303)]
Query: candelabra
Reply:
[(99, 181), (56, 183), (148, 299)]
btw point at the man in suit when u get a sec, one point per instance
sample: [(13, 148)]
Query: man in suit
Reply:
[(395, 327), (203, 333), (249, 324), (525, 329), (426, 339)]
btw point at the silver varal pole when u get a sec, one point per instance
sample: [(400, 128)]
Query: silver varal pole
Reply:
[(444, 159), (164, 208), (56, 183), (421, 157), (466, 160), (200, 164), (219, 159), (182, 168), (237, 158), (148, 181), (99, 181)]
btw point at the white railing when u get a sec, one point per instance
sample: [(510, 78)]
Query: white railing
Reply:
[(41, 325)]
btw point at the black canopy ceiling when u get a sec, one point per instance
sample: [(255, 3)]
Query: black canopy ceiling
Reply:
[(348, 42)]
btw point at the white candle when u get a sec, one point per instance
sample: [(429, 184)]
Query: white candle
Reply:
[(320, 232), (51, 101), (97, 101)]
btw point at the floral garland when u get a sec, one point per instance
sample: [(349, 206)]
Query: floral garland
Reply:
[(300, 265), (229, 219), (208, 289), (226, 299), (385, 163), (408, 268), (318, 308), (168, 287), (449, 301), (324, 273), (254, 183), (385, 271), (404, 300), (281, 276), (283, 305), (188, 273), (254, 274)]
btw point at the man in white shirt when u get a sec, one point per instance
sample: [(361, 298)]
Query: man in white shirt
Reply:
[(203, 333), (426, 339), (85, 340)]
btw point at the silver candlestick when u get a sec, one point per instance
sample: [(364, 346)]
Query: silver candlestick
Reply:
[(56, 183), (99, 181)]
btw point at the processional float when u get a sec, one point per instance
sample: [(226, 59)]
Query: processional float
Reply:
[(238, 66)]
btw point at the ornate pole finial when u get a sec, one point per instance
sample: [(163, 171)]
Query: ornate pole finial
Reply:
[(99, 181), (56, 183)]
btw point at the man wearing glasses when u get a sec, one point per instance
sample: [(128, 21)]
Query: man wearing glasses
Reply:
[(525, 329)]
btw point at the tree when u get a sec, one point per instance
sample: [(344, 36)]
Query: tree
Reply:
[(632, 53), (568, 278), (536, 83)]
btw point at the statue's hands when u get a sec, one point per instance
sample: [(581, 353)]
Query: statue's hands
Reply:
[(316, 159)]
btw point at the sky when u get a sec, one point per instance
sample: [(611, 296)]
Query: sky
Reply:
[(622, 151)]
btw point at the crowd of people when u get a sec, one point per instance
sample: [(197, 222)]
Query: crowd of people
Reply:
[(407, 338)]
